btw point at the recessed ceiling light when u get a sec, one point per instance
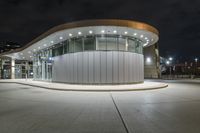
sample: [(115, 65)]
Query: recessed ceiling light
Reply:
[(145, 38), (29, 52), (45, 45), (145, 44), (125, 32), (102, 31), (114, 31), (34, 49), (90, 32), (135, 34), (148, 60), (141, 36), (70, 34), (152, 39), (38, 47), (23, 57), (60, 37), (79, 33)]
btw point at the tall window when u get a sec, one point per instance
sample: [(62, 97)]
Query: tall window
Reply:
[(112, 43), (131, 45), (71, 45), (66, 46), (89, 43), (122, 43), (101, 43), (78, 44)]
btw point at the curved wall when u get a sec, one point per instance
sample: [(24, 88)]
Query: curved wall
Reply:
[(98, 67)]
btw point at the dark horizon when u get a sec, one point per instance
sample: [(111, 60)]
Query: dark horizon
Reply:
[(177, 20)]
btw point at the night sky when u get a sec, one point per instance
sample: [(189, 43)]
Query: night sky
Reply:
[(178, 21)]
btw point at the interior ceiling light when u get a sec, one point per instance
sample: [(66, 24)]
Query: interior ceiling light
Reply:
[(79, 33), (90, 32), (145, 44)]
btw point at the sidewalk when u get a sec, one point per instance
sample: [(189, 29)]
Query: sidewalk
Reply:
[(147, 85)]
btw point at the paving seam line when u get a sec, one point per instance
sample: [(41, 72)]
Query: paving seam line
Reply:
[(119, 113)]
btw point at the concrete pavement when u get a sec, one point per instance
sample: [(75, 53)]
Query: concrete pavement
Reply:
[(26, 109)]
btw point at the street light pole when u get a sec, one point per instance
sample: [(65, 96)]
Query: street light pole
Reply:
[(170, 66), (196, 72)]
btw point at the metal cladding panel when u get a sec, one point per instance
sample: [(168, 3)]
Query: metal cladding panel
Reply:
[(134, 66), (97, 71), (75, 66), (71, 59), (142, 68), (64, 63), (115, 74), (103, 62), (109, 67), (138, 67), (67, 68), (54, 74), (139, 64), (85, 67), (126, 67), (80, 67), (121, 67), (91, 67), (61, 70), (98, 67), (56, 69), (130, 68)]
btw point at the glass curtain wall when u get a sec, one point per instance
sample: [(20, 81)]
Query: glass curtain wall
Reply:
[(97, 42), (43, 64), (43, 58)]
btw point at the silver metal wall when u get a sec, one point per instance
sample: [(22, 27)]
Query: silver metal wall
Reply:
[(99, 67)]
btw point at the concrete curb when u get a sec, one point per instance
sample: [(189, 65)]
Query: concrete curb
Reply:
[(160, 86)]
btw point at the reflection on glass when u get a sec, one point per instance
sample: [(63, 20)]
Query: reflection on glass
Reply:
[(94, 42), (89, 43)]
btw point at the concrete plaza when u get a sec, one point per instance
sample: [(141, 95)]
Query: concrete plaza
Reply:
[(26, 109)]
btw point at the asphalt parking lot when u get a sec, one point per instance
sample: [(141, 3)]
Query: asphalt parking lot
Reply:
[(175, 109)]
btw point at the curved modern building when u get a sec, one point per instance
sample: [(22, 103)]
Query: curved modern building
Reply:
[(90, 52)]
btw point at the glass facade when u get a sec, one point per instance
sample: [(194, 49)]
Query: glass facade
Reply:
[(43, 58), (95, 42)]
